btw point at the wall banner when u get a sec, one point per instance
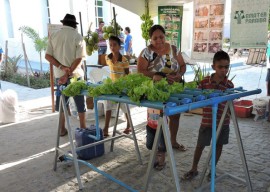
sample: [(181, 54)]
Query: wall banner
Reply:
[(207, 29), (249, 23), (170, 17)]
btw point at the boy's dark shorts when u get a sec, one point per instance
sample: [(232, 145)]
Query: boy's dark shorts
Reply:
[(205, 136), (150, 137), (79, 99)]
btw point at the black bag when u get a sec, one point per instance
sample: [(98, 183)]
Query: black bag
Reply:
[(82, 138)]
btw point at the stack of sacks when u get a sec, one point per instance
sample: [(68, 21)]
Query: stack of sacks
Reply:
[(8, 106)]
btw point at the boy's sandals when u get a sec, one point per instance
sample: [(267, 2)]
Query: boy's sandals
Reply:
[(189, 175), (63, 133), (127, 131), (179, 147), (160, 161)]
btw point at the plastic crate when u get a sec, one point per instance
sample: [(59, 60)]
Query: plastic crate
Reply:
[(243, 108)]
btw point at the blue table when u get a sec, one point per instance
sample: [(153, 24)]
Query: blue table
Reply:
[(178, 103)]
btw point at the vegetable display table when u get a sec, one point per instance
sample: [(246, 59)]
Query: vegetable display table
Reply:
[(177, 103)]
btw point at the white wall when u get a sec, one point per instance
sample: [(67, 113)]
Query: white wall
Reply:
[(23, 13), (4, 25), (187, 28), (126, 18)]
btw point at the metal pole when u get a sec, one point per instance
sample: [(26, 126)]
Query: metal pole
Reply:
[(115, 25), (240, 146), (84, 62), (217, 136), (72, 146), (213, 163)]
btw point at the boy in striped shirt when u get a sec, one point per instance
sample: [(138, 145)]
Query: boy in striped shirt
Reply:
[(218, 80), (119, 67)]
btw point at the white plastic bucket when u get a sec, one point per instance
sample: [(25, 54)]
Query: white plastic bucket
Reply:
[(9, 106), (259, 106)]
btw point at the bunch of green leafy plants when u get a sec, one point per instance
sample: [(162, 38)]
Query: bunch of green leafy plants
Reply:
[(146, 25), (120, 86), (75, 88), (91, 41), (136, 86)]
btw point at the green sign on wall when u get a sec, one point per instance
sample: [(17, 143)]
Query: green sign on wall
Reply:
[(170, 17)]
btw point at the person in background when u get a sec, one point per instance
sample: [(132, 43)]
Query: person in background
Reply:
[(160, 56), (119, 67), (220, 81), (102, 44), (65, 51), (1, 54), (122, 39), (128, 42)]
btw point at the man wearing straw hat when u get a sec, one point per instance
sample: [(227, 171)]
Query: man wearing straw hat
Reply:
[(65, 51)]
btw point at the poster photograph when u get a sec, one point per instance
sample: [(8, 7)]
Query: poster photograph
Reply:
[(200, 47), (217, 10), (201, 22), (215, 35), (214, 47), (202, 10), (200, 35), (170, 17), (207, 29), (216, 22)]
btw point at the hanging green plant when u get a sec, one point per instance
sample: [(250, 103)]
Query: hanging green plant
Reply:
[(91, 40), (110, 30), (146, 25)]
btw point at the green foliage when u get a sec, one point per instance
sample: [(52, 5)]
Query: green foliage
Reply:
[(226, 40), (200, 73), (39, 43), (136, 86), (75, 89), (91, 41), (269, 21), (113, 29), (146, 25), (11, 67), (35, 82)]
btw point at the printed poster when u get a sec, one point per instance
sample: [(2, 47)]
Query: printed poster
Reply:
[(170, 17), (208, 28), (249, 23)]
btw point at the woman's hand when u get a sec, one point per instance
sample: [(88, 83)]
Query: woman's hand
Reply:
[(174, 77)]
